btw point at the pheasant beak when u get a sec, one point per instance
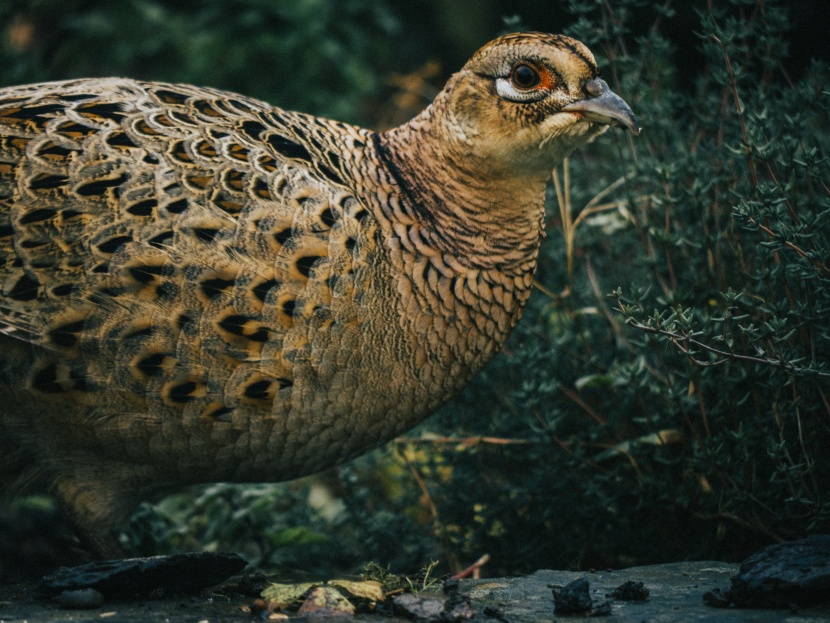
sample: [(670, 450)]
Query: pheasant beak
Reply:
[(604, 106)]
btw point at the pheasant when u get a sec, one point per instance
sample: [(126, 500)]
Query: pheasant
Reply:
[(196, 286)]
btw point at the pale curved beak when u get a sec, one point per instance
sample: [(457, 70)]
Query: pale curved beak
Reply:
[(602, 105)]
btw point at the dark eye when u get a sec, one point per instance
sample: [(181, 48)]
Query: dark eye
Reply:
[(524, 76)]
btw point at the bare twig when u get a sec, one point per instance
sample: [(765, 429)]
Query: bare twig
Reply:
[(733, 84), (592, 279), (584, 405), (464, 441), (820, 265), (433, 509), (474, 569), (679, 339), (755, 527), (563, 200)]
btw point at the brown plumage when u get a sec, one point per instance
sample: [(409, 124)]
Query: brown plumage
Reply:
[(196, 286)]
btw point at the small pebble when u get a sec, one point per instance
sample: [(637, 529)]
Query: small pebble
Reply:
[(630, 591), (80, 599)]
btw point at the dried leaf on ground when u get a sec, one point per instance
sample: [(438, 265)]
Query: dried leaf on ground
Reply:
[(326, 601), (284, 595), (368, 589)]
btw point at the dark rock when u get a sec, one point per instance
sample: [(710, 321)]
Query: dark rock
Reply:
[(630, 591), (181, 573), (782, 576), (252, 584), (573, 598)]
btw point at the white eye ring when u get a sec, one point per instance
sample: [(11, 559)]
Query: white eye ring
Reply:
[(506, 90)]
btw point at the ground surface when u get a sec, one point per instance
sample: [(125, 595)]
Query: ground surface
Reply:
[(676, 596)]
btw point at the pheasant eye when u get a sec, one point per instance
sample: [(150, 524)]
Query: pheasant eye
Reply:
[(524, 76)]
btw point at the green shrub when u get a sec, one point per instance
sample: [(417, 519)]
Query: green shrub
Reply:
[(312, 55)]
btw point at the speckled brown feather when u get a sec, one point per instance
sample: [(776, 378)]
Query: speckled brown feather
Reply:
[(196, 286)]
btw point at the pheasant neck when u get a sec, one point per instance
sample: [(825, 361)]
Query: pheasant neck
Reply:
[(459, 202), (464, 237)]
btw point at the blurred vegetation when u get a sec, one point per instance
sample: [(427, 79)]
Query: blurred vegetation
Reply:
[(667, 394), (312, 54)]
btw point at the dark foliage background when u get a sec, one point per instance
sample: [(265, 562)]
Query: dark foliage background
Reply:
[(667, 395)]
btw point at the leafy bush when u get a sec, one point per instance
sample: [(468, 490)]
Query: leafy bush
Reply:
[(312, 55)]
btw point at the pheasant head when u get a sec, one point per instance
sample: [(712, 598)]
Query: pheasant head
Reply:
[(524, 100), (520, 105)]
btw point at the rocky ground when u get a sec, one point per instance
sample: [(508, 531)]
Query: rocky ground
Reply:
[(675, 594)]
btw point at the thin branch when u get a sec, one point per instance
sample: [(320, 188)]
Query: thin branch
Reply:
[(609, 189), (584, 405), (433, 509), (550, 293), (733, 84), (563, 201), (821, 266), (752, 526), (677, 338), (592, 279), (464, 441), (474, 569)]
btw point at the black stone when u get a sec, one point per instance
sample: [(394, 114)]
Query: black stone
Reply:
[(795, 573), (180, 573), (573, 598), (630, 591)]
